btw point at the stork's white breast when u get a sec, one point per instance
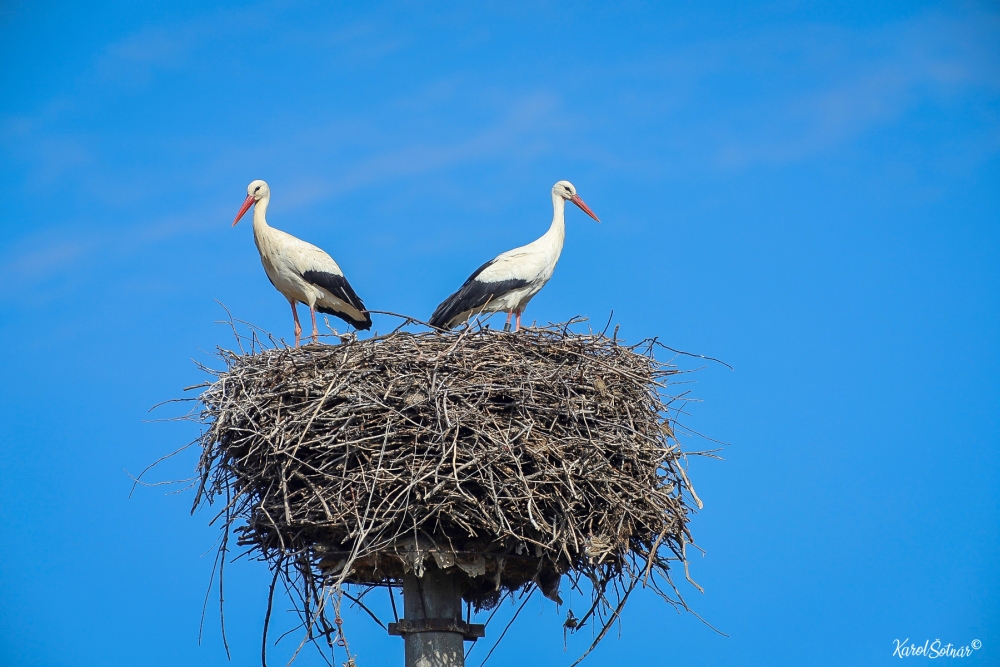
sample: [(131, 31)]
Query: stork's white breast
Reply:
[(286, 258)]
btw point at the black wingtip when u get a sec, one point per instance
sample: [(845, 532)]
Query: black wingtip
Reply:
[(363, 325), (437, 321), (360, 325)]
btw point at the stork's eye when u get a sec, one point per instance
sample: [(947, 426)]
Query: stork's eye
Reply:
[(256, 188)]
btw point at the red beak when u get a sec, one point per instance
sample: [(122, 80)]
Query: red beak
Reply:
[(247, 203), (586, 209)]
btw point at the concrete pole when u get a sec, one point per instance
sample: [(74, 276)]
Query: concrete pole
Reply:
[(433, 601)]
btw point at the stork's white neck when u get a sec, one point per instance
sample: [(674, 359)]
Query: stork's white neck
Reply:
[(259, 213), (557, 230)]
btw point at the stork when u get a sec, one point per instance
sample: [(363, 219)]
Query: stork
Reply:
[(301, 271), (507, 282)]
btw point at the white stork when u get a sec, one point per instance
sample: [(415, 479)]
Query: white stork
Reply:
[(508, 282), (300, 270)]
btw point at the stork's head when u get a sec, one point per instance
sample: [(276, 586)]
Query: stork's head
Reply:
[(256, 191), (566, 190)]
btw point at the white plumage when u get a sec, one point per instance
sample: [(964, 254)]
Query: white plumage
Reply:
[(508, 282), (301, 271)]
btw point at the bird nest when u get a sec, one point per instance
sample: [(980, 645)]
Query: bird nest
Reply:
[(509, 459)]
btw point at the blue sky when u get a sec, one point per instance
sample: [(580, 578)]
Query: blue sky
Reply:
[(806, 190)]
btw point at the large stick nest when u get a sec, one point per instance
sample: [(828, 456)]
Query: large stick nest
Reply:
[(509, 458)]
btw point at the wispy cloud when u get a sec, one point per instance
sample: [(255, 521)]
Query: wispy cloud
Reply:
[(854, 82), (43, 266), (520, 132), (139, 57), (785, 95), (37, 258), (42, 258)]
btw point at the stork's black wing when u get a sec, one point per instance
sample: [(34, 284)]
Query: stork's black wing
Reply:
[(473, 295), (338, 286)]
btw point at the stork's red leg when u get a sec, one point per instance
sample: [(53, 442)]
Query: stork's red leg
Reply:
[(298, 327), (517, 327), (506, 326), (312, 311)]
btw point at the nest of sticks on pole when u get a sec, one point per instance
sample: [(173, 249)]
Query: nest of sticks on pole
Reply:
[(517, 461)]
